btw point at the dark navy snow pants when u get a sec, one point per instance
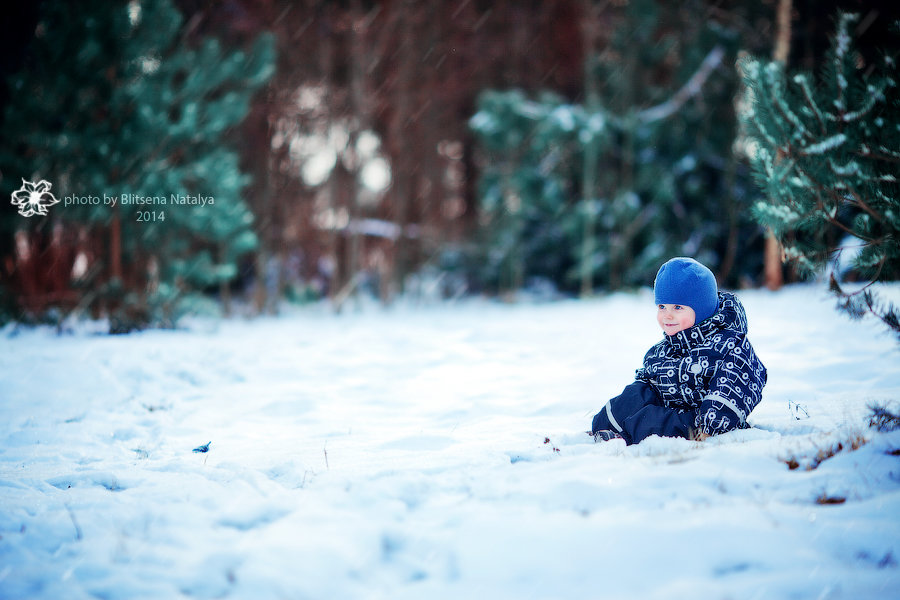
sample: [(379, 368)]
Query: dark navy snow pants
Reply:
[(638, 413)]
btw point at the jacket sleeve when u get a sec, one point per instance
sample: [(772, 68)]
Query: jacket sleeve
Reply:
[(653, 354), (641, 375), (735, 390)]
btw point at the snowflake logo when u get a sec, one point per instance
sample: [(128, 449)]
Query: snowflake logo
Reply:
[(33, 198)]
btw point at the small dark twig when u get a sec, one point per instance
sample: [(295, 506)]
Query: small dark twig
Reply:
[(825, 499), (78, 535), (797, 409), (883, 419)]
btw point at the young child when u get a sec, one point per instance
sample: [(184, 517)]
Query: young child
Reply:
[(702, 378)]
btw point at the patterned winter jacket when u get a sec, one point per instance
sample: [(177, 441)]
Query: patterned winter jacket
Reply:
[(709, 368)]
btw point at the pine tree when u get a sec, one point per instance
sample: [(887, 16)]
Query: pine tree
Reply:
[(114, 101), (599, 194), (825, 153), (530, 148)]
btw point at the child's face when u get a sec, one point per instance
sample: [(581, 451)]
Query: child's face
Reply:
[(674, 317)]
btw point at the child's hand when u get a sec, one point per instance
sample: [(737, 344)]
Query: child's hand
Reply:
[(700, 436)]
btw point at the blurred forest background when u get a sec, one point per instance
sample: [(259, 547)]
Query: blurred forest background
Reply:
[(422, 147)]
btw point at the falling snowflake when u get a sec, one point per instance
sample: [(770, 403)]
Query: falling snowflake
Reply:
[(33, 198)]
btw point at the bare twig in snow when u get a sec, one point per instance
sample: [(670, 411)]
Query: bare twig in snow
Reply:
[(78, 535)]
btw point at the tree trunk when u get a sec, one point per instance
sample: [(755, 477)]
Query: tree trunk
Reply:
[(402, 189), (590, 33), (327, 60), (360, 122), (773, 273), (264, 214), (224, 287), (115, 246)]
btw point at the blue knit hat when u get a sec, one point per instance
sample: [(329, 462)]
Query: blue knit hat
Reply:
[(686, 282)]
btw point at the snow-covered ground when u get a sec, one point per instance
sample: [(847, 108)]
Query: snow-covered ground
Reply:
[(404, 454)]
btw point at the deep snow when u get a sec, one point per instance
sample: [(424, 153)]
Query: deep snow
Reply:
[(401, 454)]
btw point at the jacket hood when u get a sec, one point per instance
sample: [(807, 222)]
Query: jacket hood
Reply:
[(730, 316)]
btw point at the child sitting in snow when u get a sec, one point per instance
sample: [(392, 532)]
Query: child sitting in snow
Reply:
[(702, 378)]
